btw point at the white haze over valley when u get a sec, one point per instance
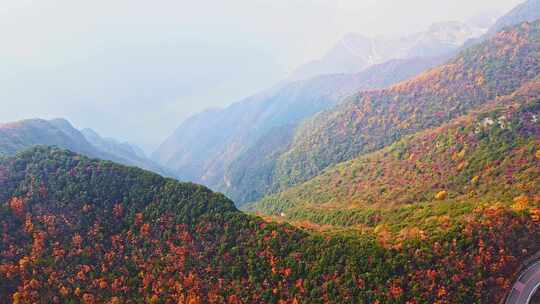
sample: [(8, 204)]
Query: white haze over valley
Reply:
[(134, 70)]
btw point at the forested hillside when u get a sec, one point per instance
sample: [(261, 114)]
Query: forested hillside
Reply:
[(75, 230), (413, 181), (205, 145), (373, 119), (490, 155)]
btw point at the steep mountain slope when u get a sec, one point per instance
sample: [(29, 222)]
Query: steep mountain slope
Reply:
[(354, 52), (485, 19), (527, 11), (491, 155), (74, 230), (374, 119), (202, 148), (20, 135)]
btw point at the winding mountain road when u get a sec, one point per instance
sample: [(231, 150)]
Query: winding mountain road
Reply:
[(525, 287)]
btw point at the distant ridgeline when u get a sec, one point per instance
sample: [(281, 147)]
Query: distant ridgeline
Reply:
[(17, 136), (424, 192), (488, 150), (75, 230), (374, 119), (279, 138), (217, 147), (490, 155)]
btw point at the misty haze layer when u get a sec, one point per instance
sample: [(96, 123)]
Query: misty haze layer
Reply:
[(120, 66)]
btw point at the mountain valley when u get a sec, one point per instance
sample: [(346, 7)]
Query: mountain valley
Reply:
[(395, 171)]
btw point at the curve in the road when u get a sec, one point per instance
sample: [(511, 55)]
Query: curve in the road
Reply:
[(526, 285)]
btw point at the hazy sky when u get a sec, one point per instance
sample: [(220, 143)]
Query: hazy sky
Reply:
[(134, 69)]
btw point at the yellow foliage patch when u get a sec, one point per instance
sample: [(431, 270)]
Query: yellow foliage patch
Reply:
[(462, 165), (441, 195), (412, 233), (16, 298), (520, 203), (535, 214)]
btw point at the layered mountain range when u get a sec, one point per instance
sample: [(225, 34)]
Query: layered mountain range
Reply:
[(203, 147), (413, 181), (374, 119), (292, 149)]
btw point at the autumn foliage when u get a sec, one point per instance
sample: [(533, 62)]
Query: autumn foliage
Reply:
[(374, 119), (110, 234), (485, 156)]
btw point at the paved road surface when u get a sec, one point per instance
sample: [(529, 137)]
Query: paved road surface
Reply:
[(526, 286)]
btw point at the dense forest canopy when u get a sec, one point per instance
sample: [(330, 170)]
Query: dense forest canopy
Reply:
[(76, 230), (487, 155), (427, 191)]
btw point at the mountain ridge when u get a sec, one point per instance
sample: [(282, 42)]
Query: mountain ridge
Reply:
[(489, 154), (527, 11), (227, 159), (355, 52), (203, 146), (373, 119), (17, 136)]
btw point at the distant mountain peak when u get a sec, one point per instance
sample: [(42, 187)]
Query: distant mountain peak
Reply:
[(61, 121), (89, 132), (453, 32), (356, 52)]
